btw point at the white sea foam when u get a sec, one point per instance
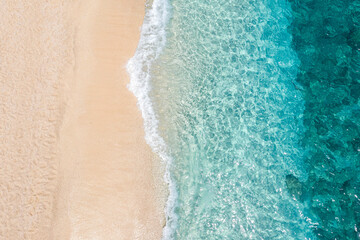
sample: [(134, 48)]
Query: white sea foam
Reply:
[(151, 44)]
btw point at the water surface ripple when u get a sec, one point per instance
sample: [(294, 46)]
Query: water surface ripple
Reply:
[(231, 113)]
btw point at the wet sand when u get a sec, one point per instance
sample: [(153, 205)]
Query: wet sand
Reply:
[(74, 162)]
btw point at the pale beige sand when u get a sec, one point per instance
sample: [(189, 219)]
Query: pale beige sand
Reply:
[(110, 193), (73, 160), (35, 55)]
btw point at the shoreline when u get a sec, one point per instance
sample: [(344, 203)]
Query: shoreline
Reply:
[(111, 192), (76, 164)]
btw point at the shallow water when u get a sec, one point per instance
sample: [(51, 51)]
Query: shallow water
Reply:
[(232, 117), (254, 107)]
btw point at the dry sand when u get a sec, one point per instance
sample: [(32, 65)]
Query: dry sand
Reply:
[(35, 54), (73, 160)]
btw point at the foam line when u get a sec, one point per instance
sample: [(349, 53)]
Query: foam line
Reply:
[(151, 44)]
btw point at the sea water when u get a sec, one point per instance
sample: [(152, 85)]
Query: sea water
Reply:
[(254, 108), (326, 37)]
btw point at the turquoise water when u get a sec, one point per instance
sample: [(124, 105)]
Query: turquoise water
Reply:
[(254, 108), (326, 37)]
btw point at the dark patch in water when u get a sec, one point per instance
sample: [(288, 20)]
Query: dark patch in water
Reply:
[(295, 187)]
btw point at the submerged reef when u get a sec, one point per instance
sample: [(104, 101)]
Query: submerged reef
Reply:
[(326, 37)]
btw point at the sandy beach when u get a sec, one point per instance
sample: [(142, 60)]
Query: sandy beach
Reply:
[(74, 162), (35, 58)]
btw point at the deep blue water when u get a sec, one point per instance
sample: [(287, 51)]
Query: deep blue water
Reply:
[(254, 107)]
